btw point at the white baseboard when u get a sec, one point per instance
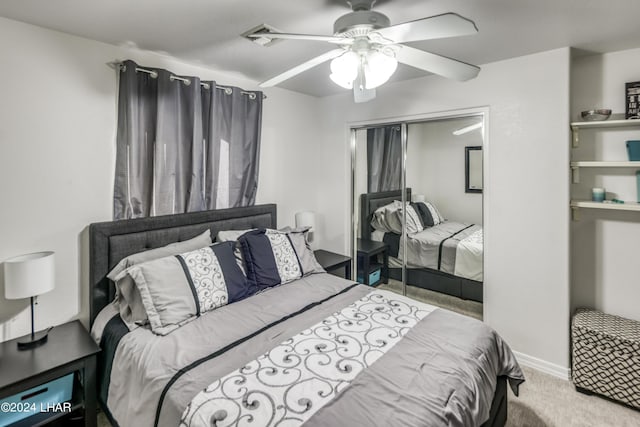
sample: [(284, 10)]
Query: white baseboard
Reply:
[(543, 366)]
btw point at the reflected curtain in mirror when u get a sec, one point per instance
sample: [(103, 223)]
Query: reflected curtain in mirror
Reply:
[(473, 169), (384, 158), (183, 145)]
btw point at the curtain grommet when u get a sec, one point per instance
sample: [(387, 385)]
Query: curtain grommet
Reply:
[(228, 91)]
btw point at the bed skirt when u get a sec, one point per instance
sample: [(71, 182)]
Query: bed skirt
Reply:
[(438, 281)]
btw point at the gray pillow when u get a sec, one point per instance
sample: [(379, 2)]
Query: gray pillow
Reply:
[(128, 300), (230, 235), (386, 218), (175, 289)]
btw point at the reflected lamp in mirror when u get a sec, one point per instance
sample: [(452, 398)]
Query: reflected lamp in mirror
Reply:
[(417, 198), (473, 169), (307, 219), (27, 276)]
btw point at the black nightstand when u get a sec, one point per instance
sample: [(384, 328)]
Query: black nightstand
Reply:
[(368, 251), (331, 261), (69, 349)]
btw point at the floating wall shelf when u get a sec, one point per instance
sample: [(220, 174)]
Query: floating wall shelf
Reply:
[(576, 165), (576, 126), (588, 204), (598, 164)]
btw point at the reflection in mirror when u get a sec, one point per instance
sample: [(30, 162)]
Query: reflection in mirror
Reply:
[(473, 169), (384, 158), (442, 250), (378, 170)]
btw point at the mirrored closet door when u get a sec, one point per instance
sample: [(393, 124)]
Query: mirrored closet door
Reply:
[(417, 209)]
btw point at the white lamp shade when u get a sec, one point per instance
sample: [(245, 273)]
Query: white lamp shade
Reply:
[(379, 68), (417, 198), (306, 219), (344, 69), (29, 275)]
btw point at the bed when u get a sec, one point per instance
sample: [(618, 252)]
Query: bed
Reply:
[(445, 258), (430, 373)]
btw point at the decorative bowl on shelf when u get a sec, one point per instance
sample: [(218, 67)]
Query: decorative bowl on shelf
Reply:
[(595, 115)]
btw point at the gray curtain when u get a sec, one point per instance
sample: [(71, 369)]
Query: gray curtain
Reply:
[(384, 159), (183, 147)]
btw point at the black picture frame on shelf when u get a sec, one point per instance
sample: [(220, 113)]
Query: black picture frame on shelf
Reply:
[(632, 100)]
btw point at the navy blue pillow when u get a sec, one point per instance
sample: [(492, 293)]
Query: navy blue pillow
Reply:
[(270, 258), (238, 286), (424, 213)]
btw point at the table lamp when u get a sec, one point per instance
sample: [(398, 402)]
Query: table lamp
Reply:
[(27, 276), (307, 219)]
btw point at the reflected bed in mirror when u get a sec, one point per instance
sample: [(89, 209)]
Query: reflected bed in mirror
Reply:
[(473, 169), (446, 257)]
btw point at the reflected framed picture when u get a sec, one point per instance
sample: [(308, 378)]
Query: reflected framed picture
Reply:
[(473, 169), (632, 94)]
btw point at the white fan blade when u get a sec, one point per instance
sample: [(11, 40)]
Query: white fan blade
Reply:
[(435, 27), (303, 67), (330, 39), (440, 65)]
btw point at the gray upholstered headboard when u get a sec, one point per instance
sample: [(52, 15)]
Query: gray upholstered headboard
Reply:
[(109, 242), (369, 202)]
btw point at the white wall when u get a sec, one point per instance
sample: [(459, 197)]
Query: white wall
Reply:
[(526, 211), (604, 245), (436, 157), (57, 148)]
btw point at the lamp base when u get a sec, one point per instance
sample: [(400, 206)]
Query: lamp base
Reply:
[(33, 340)]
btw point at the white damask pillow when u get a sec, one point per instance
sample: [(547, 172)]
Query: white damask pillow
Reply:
[(435, 214), (270, 257), (414, 222)]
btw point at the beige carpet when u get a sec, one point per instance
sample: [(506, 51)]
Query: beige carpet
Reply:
[(544, 401), (547, 401)]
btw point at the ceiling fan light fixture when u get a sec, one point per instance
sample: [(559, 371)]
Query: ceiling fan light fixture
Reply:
[(368, 49), (344, 69), (347, 84), (379, 68)]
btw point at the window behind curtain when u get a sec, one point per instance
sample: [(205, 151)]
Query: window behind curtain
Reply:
[(183, 145)]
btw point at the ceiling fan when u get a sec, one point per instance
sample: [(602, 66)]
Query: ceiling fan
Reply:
[(369, 49)]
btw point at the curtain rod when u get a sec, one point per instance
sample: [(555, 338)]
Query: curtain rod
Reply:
[(154, 74)]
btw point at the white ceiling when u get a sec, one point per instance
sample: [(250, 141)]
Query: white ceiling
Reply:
[(207, 31)]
